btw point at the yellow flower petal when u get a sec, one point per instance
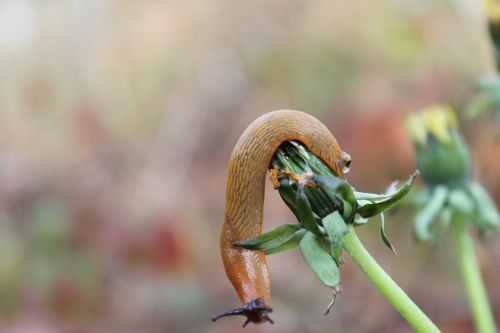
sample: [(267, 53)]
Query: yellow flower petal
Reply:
[(439, 120), (416, 127), (492, 9)]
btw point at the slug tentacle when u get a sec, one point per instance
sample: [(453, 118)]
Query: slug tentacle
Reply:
[(255, 311)]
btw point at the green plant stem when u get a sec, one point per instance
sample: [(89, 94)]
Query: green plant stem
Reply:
[(392, 292), (471, 274)]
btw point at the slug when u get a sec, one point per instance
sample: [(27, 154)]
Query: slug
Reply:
[(247, 269)]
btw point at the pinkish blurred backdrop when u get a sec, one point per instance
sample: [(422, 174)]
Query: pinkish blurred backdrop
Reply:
[(117, 119)]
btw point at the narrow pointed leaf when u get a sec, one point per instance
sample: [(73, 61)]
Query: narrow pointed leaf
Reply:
[(340, 189), (313, 162), (292, 243), (461, 202), (321, 202), (427, 214), (374, 208), (336, 185), (386, 240), (480, 104), (486, 209), (305, 214), (320, 261), (288, 195), (271, 239), (336, 252), (348, 213), (336, 229), (370, 197), (444, 220), (416, 198)]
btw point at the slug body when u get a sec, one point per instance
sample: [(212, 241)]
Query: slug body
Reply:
[(247, 269)]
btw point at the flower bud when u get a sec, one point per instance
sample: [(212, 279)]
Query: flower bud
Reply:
[(441, 153)]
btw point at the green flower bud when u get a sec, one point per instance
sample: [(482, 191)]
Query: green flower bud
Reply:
[(445, 166), (442, 155)]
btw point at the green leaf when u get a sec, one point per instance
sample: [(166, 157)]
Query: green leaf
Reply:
[(489, 83), (374, 197), (386, 240), (322, 203), (336, 229), (330, 183), (444, 220), (305, 214), (348, 214), (377, 206), (486, 211), (339, 188), (336, 185), (288, 195), (417, 197), (478, 105), (288, 245), (271, 239), (320, 261), (370, 197), (461, 202), (313, 162), (427, 214)]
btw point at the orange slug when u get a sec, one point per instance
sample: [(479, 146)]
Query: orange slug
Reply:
[(247, 269)]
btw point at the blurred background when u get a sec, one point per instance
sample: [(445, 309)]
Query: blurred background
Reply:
[(117, 119)]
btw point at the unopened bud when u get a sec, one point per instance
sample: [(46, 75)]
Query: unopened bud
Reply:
[(442, 155)]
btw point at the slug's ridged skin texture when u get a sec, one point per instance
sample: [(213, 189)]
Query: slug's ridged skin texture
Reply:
[(247, 269)]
